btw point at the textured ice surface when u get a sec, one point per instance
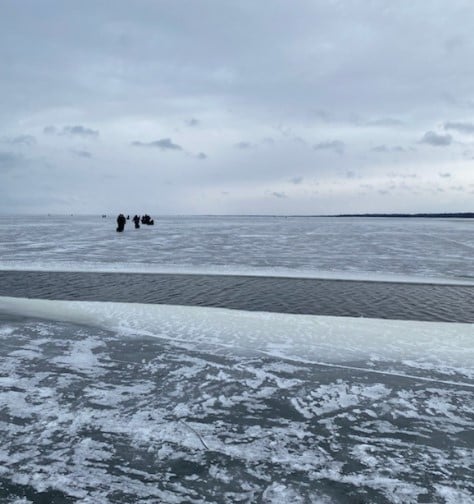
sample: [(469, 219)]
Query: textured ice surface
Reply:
[(438, 250), (299, 337), (90, 415), (125, 403)]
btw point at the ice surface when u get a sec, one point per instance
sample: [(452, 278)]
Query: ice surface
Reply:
[(303, 338), (407, 250), (120, 402), (89, 415)]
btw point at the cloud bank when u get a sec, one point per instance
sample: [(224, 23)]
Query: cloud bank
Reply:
[(303, 111)]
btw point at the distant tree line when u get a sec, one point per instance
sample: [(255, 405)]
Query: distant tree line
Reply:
[(459, 215)]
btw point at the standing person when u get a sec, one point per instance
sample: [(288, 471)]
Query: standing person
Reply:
[(136, 220), (121, 220)]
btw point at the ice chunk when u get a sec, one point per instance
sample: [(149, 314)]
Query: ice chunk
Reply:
[(298, 337)]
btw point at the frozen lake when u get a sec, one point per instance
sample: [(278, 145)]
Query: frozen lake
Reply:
[(438, 250), (124, 380)]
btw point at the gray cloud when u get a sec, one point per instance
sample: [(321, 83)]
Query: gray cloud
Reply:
[(300, 141), (322, 115), (385, 122), (80, 131), (460, 127), (385, 148), (27, 140), (277, 194), (76, 130), (8, 159), (11, 163), (445, 175), (334, 145), (82, 154), (139, 71), (402, 175), (435, 139), (163, 144), (296, 180), (244, 145)]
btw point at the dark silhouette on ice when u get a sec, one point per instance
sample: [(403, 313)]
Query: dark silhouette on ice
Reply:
[(146, 219), (121, 220)]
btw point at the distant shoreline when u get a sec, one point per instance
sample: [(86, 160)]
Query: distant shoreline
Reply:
[(462, 215)]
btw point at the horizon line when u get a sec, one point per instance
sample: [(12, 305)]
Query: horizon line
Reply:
[(365, 214)]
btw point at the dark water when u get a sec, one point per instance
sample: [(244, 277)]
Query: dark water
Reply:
[(287, 295)]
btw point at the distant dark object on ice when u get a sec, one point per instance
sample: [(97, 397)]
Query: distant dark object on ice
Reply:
[(121, 220), (146, 219), (136, 220)]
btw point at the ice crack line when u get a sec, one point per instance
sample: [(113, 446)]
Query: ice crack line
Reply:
[(366, 370)]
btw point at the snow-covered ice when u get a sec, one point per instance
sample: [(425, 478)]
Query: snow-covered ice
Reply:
[(406, 250), (159, 405)]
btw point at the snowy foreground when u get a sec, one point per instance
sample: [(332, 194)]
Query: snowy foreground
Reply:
[(121, 402)]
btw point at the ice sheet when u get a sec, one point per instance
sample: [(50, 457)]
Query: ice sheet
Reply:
[(92, 416), (302, 338), (202, 412), (414, 250)]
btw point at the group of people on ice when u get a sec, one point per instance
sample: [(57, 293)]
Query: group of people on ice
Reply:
[(145, 219)]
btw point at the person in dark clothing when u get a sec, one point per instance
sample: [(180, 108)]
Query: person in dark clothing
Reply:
[(136, 220), (146, 219), (121, 220)]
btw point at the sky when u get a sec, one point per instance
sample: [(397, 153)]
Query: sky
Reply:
[(236, 107)]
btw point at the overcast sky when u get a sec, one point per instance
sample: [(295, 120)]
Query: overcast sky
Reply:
[(236, 107)]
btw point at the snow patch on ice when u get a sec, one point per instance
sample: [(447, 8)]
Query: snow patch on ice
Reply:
[(336, 397), (81, 356)]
